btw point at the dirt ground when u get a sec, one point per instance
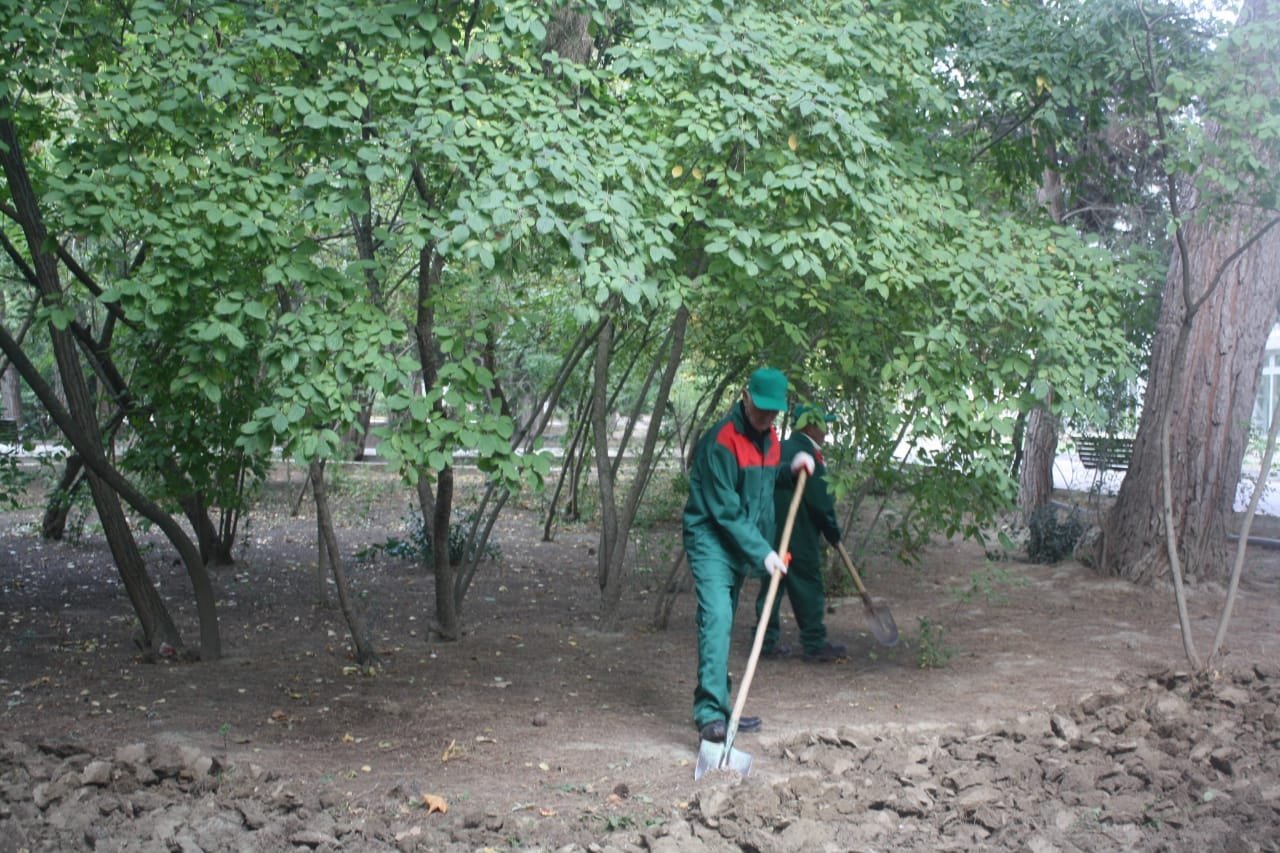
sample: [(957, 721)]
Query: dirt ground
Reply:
[(1056, 714)]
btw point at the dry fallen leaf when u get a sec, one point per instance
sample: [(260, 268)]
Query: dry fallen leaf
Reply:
[(452, 751), (545, 812), (347, 738), (278, 716), (434, 803)]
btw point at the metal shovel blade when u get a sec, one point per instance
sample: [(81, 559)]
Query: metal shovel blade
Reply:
[(879, 619), (881, 623), (721, 756)]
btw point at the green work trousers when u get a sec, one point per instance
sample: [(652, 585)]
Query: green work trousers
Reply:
[(803, 587), (717, 586)]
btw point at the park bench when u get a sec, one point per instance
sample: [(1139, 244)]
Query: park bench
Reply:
[(1104, 452), (8, 431)]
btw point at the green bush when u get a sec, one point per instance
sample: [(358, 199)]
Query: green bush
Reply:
[(932, 650), (1053, 534), (418, 545)]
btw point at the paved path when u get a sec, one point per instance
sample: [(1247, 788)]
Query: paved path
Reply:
[(1070, 473)]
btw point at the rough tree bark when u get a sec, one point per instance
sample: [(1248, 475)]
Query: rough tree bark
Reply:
[(1035, 476), (1219, 303)]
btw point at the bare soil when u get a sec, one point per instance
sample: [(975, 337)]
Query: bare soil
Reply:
[(1056, 712)]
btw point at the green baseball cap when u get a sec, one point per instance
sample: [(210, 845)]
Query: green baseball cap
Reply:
[(768, 389), (806, 414)]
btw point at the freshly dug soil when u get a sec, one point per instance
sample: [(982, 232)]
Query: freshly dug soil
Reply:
[(1056, 711)]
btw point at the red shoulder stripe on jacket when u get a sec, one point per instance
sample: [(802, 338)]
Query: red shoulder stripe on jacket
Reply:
[(744, 450)]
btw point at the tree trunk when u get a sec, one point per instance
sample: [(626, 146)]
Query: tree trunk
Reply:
[(613, 545), (54, 524), (1040, 441), (78, 423), (322, 561), (10, 398), (1211, 408), (1219, 303), (365, 654), (448, 602), (197, 514), (437, 510), (10, 390), (599, 416), (1035, 477)]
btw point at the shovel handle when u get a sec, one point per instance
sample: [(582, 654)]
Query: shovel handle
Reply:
[(763, 626), (853, 572)]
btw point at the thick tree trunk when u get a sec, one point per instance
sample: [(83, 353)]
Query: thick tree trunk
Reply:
[(1040, 441), (1211, 407), (1219, 303), (1035, 477)]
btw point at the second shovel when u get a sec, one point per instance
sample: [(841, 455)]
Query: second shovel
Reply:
[(879, 619)]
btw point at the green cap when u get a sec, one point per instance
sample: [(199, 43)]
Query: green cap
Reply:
[(806, 414), (768, 389)]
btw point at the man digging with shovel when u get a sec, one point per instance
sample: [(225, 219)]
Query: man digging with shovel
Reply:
[(816, 521), (729, 530)]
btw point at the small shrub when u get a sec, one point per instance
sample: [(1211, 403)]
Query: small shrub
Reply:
[(990, 584), (1052, 534), (932, 652), (418, 545)]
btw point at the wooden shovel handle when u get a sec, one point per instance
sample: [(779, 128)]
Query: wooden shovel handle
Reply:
[(801, 478), (853, 572)]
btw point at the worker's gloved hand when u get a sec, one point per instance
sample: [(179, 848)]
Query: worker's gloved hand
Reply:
[(802, 460), (774, 564)]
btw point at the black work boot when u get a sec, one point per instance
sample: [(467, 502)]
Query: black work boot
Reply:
[(777, 651), (829, 653)]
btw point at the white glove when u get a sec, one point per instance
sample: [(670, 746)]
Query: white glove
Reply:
[(774, 564), (802, 460)]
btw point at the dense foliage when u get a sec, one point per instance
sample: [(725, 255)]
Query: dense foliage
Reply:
[(275, 219)]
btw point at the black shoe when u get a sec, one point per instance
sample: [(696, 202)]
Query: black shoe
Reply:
[(830, 653), (749, 724), (714, 731), (776, 652)]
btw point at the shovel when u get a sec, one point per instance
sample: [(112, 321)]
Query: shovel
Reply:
[(879, 619), (722, 756)]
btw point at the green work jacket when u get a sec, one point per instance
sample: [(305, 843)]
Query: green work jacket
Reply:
[(817, 513), (729, 514)]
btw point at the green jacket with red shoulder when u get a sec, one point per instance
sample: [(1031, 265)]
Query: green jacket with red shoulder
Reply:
[(817, 514), (729, 514)]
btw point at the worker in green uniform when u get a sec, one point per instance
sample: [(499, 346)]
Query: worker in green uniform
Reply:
[(816, 518), (729, 532)]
